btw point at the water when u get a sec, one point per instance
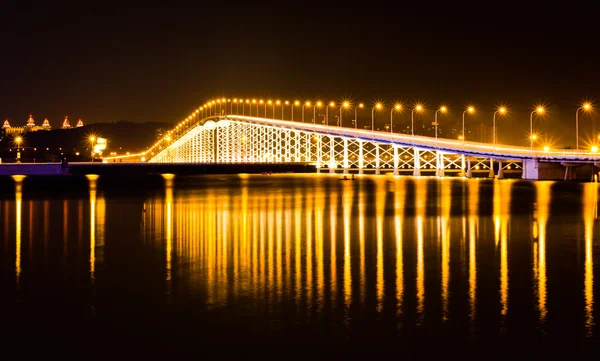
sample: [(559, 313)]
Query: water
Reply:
[(380, 263)]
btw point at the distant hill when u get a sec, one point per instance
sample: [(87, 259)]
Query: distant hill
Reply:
[(122, 137)]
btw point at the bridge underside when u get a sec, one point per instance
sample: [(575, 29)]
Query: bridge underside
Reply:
[(240, 142)]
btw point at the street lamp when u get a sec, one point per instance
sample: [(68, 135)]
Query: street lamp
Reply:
[(398, 108), (470, 109), (345, 105), (417, 108), (361, 105), (92, 140), (270, 102), (331, 104), (254, 102), (318, 105), (442, 109), (286, 103), (260, 102), (18, 141), (501, 110), (539, 110), (296, 104), (277, 102), (237, 106), (306, 104), (377, 106), (586, 107)]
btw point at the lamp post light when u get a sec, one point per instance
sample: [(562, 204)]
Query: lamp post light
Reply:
[(249, 107), (345, 105), (539, 110), (286, 103), (270, 102), (277, 102), (261, 102), (219, 104), (417, 108), (377, 106), (18, 141), (331, 104), (470, 110), (442, 109), (254, 102), (92, 141), (501, 110), (296, 104), (306, 104), (318, 105), (398, 108), (361, 105), (586, 107), (237, 106)]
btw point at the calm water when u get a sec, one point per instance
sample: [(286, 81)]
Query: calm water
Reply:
[(406, 264)]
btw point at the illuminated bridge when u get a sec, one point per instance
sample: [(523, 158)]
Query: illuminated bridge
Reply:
[(240, 139)]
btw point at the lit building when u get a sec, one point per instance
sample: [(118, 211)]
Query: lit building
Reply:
[(30, 122), (6, 124), (46, 124), (79, 124), (66, 124)]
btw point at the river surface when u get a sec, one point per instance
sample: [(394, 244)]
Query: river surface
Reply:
[(418, 265)]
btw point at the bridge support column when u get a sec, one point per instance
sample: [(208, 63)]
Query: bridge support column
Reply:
[(332, 164), (417, 163), (395, 159), (319, 151), (500, 170), (491, 167), (376, 158), (345, 154), (360, 157), (530, 169), (469, 171), (439, 164)]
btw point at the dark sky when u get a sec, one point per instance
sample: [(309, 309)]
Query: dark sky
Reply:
[(107, 62)]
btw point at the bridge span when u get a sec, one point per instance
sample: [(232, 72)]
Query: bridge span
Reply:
[(232, 139)]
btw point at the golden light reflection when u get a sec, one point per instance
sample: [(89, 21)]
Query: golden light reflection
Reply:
[(168, 178), (347, 199), (379, 215), (590, 213), (361, 241), (473, 185), (92, 178), (18, 226), (446, 199), (399, 197), (539, 250), (319, 216), (333, 196), (503, 199), (420, 197)]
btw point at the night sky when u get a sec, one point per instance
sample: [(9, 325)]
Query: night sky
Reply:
[(111, 62)]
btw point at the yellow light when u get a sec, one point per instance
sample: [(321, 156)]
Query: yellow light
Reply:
[(418, 107), (269, 102), (594, 148), (92, 139), (361, 105), (296, 103), (331, 104), (18, 140), (235, 100), (278, 102), (502, 110), (260, 101), (398, 107), (443, 109), (253, 101), (168, 139), (218, 100), (539, 110), (587, 106), (471, 109), (346, 104), (546, 148), (534, 137), (378, 105), (307, 104), (287, 102), (319, 104), (459, 137), (223, 100), (247, 101)]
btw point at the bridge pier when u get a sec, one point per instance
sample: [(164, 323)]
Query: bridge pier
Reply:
[(360, 157), (345, 154), (439, 172), (417, 163), (376, 158), (332, 164), (492, 175), (462, 166), (395, 159), (469, 171), (500, 170)]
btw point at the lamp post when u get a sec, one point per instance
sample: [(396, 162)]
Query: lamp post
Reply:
[(296, 104), (306, 104), (586, 106), (398, 108), (331, 104), (237, 106), (361, 105), (270, 102), (377, 106), (345, 105), (92, 140), (539, 110), (260, 102), (18, 141), (442, 109), (254, 101), (318, 105), (501, 111), (469, 110), (417, 108), (286, 103)]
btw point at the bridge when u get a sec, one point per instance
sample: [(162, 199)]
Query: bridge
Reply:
[(242, 139)]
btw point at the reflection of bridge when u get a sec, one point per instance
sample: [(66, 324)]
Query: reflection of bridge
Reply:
[(245, 139)]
